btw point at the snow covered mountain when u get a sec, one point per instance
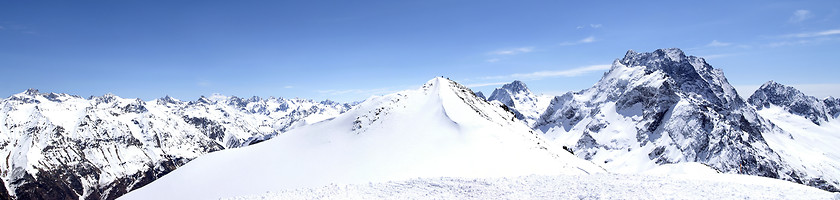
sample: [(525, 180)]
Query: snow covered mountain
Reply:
[(60, 146), (811, 127), (792, 100), (525, 105), (439, 130), (665, 107)]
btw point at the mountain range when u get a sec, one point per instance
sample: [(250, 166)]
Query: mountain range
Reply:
[(650, 110), (60, 146)]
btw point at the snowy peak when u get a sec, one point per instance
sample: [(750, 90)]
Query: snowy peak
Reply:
[(793, 101), (438, 130), (663, 107), (441, 97), (524, 104), (516, 87), (672, 54), (31, 92), (684, 74)]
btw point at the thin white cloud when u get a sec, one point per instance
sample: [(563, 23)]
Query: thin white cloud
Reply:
[(595, 25), (589, 39), (374, 91), (800, 15), (288, 87), (203, 83), (559, 73), (716, 43), (513, 51), (486, 84), (814, 34), (802, 42), (713, 56), (579, 27), (492, 60)]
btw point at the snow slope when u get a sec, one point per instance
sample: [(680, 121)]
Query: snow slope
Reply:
[(596, 186), (813, 149), (439, 130)]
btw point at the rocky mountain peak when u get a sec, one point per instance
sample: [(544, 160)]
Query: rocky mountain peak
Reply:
[(516, 87), (32, 92), (790, 99)]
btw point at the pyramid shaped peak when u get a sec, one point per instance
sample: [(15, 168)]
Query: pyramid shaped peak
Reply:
[(772, 84), (516, 87)]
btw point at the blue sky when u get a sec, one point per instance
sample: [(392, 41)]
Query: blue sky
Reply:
[(348, 51)]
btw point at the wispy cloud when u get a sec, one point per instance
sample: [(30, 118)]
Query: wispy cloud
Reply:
[(713, 56), (203, 83), (492, 60), (801, 42), (374, 91), (716, 43), (589, 39), (288, 87), (800, 15), (486, 84), (559, 73), (814, 34), (512, 51), (590, 26)]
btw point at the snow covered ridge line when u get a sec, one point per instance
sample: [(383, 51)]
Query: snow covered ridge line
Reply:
[(597, 186), (439, 130), (60, 146)]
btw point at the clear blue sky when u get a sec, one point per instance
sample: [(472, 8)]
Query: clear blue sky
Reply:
[(348, 51)]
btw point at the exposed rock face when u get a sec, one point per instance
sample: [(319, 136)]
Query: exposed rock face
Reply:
[(60, 146), (794, 101), (665, 107), (523, 103)]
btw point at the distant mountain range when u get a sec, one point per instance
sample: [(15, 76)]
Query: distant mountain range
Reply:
[(650, 109), (60, 146)]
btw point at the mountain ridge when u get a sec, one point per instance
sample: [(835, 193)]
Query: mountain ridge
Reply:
[(440, 129)]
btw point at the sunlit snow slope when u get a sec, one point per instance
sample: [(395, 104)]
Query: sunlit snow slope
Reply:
[(439, 130), (595, 186)]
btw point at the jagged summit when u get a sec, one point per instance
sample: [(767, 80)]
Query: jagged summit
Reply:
[(674, 54), (516, 86), (526, 105), (31, 92), (665, 107), (791, 100)]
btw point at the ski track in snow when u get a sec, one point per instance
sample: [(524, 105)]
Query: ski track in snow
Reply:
[(596, 186)]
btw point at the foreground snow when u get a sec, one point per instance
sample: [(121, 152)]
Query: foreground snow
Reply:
[(595, 186)]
